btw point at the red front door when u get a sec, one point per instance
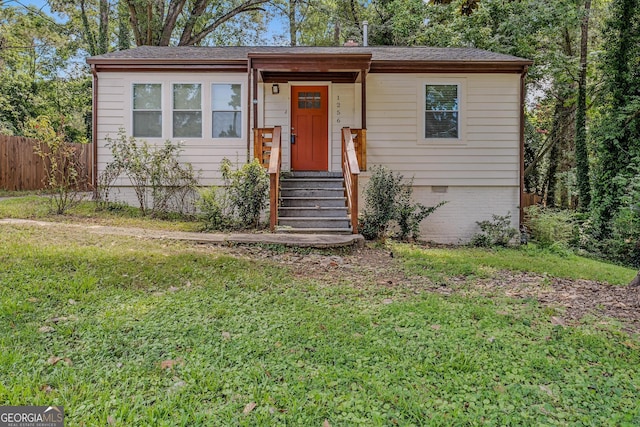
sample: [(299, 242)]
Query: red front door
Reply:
[(309, 128)]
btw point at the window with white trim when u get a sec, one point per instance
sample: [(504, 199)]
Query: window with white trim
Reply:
[(226, 110), (442, 111), (187, 110), (147, 110)]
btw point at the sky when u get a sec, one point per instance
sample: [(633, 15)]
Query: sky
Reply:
[(275, 25)]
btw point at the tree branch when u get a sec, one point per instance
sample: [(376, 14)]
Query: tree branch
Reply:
[(245, 7), (173, 12), (133, 18)]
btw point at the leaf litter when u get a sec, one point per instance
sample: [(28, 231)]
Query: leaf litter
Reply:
[(366, 267)]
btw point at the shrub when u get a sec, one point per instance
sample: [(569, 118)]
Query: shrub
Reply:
[(623, 243), (249, 192), (241, 199), (62, 169), (409, 215), (550, 226), (161, 183), (214, 209), (381, 194), (388, 201), (495, 232)]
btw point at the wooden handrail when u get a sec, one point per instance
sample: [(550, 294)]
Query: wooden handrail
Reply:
[(350, 172), (262, 143), (360, 144), (275, 163)]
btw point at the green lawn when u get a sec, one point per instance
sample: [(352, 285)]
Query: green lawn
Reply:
[(161, 333), (39, 207)]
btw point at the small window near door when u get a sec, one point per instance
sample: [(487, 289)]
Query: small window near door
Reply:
[(309, 100), (187, 110), (442, 111), (147, 110), (226, 110)]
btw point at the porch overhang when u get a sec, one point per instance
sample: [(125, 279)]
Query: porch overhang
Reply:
[(294, 66), (310, 62)]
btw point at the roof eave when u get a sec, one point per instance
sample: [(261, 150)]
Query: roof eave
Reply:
[(450, 66), (167, 64)]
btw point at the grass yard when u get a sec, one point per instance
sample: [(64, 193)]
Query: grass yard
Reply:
[(133, 332), (38, 207)]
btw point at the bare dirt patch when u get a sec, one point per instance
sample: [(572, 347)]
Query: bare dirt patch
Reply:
[(572, 299)]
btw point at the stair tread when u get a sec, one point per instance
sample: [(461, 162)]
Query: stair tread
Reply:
[(308, 208), (313, 198), (314, 218), (320, 179), (314, 230)]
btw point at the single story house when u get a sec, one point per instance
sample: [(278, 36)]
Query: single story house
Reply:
[(450, 118)]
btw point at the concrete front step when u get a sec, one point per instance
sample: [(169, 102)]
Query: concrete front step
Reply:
[(314, 222), (313, 202), (313, 212), (311, 183)]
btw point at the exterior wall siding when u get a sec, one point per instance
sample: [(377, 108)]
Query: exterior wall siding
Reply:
[(205, 154), (488, 151), (480, 171)]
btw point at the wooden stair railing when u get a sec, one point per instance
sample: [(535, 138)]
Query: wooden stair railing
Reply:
[(275, 163), (262, 143), (350, 172), (360, 144)]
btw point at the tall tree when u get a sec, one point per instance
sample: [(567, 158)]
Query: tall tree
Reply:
[(155, 22), (309, 22), (36, 74), (89, 19), (582, 155), (618, 134)]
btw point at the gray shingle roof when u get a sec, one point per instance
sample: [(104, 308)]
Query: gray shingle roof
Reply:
[(378, 53)]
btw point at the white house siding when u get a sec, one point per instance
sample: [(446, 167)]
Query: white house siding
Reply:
[(205, 154), (276, 111), (480, 172)]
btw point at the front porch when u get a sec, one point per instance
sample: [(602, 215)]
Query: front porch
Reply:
[(314, 200), (309, 121)]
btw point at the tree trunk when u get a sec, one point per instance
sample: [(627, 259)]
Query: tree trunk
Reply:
[(103, 27), (90, 38), (124, 34), (582, 156), (293, 24)]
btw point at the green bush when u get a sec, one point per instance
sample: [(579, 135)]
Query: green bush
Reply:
[(497, 232), (160, 181), (388, 202), (62, 169), (214, 209), (622, 245), (549, 227), (241, 199), (409, 215), (381, 194)]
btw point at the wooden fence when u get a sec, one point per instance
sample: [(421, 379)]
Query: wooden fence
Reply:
[(22, 169), (530, 199)]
